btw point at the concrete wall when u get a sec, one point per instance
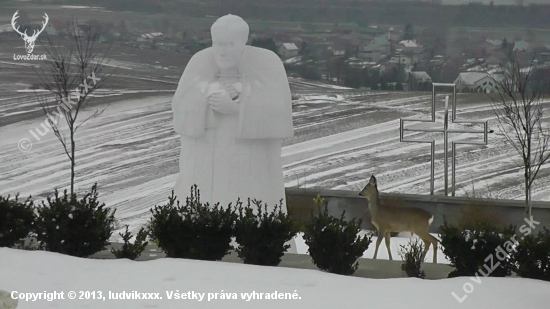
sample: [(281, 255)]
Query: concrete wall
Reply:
[(300, 206)]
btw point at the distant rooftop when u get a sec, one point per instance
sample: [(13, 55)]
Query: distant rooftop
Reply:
[(470, 78), (151, 35), (421, 75), (409, 43), (494, 42), (380, 41), (521, 45), (290, 46)]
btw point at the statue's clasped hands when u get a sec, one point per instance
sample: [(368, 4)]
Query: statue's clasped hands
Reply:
[(233, 92), (222, 101)]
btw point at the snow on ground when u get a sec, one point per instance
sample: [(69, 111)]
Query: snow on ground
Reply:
[(324, 99), (293, 60), (80, 7), (239, 286)]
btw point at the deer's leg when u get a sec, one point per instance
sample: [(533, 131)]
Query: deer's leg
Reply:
[(434, 244), (378, 241), (387, 237), (429, 239), (427, 244)]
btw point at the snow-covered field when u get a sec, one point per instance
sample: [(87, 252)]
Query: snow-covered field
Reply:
[(342, 136), (201, 284)]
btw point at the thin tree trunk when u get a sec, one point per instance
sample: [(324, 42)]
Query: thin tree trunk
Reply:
[(529, 204), (72, 162), (527, 208), (528, 171)]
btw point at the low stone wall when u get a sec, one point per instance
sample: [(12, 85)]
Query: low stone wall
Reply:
[(300, 207)]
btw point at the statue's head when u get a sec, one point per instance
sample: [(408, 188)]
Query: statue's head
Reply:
[(229, 37)]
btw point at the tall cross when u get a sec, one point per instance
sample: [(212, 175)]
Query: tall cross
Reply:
[(445, 132)]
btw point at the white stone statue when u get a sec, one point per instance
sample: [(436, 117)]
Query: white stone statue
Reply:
[(232, 108), (6, 302)]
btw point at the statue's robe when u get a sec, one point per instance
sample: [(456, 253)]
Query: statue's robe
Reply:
[(238, 155)]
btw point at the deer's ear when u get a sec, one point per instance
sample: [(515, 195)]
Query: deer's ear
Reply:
[(372, 180)]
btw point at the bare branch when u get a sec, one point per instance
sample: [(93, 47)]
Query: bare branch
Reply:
[(65, 77), (518, 106), (542, 154), (95, 114)]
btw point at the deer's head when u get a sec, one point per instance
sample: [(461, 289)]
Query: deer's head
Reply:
[(370, 190), (29, 40)]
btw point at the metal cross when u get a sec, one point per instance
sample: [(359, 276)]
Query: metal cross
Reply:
[(445, 132)]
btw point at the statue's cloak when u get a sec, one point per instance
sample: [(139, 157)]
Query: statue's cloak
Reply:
[(236, 155), (266, 103)]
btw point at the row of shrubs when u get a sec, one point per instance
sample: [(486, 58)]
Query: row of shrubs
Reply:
[(488, 250), (194, 230), (485, 249), (198, 230), (202, 231)]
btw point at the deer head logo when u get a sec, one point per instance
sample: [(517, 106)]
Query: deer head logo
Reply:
[(29, 40)]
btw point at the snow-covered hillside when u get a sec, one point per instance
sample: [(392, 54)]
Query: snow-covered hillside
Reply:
[(341, 138)]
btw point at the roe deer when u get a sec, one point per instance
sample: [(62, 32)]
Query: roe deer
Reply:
[(388, 219)]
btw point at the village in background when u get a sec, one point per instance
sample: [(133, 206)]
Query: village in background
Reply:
[(362, 54)]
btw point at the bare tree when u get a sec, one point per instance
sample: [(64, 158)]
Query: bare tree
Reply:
[(517, 104), (74, 70)]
